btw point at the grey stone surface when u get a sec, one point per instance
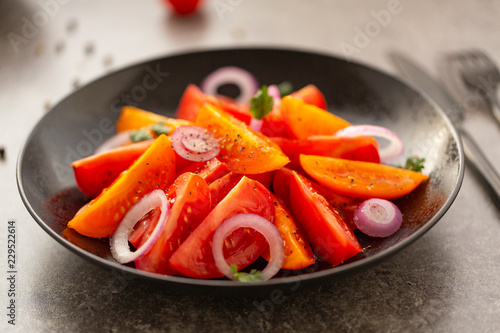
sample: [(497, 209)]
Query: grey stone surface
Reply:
[(447, 281)]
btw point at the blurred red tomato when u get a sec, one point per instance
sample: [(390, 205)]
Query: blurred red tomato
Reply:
[(183, 7)]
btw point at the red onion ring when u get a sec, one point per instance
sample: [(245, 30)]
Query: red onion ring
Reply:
[(119, 241), (378, 217), (258, 223), (195, 143), (117, 140), (245, 81), (388, 153)]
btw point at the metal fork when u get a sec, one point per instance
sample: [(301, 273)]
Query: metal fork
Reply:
[(481, 77)]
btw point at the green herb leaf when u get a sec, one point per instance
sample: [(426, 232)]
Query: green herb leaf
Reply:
[(285, 88), (252, 277), (160, 128), (414, 163), (261, 103), (140, 135)]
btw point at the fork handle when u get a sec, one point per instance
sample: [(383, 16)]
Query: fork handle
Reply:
[(495, 107), (483, 167)]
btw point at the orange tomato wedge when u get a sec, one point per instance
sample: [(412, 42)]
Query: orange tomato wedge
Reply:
[(361, 179), (243, 150), (298, 252), (132, 118), (155, 169), (305, 119)]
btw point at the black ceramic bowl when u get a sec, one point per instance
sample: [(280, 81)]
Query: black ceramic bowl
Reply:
[(362, 95)]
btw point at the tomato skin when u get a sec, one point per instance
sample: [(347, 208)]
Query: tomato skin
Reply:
[(263, 178), (132, 118), (298, 252), (144, 228), (344, 205), (210, 170), (155, 169), (191, 204), (281, 185), (222, 186), (362, 180), (310, 94), (330, 237), (191, 101), (361, 148), (306, 120), (96, 172), (194, 257)]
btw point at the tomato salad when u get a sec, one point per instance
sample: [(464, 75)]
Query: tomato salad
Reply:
[(271, 175)]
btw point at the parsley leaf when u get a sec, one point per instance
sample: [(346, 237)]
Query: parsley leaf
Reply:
[(285, 88), (414, 163), (140, 135), (160, 128), (252, 277), (261, 103)]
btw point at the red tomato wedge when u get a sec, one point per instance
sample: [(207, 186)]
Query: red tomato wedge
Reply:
[(310, 94), (194, 257), (243, 150), (344, 205), (222, 186), (281, 185), (191, 204), (361, 179), (191, 101), (330, 237), (132, 118), (210, 170), (362, 148), (155, 169), (96, 172), (144, 228), (298, 252), (305, 119)]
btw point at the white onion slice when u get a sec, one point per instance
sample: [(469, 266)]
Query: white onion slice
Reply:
[(116, 140), (378, 217), (258, 223), (195, 143), (243, 79), (120, 249), (388, 153)]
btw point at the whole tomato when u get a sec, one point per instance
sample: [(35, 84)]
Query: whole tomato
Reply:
[(183, 7)]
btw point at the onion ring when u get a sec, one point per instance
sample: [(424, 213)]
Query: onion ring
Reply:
[(244, 80), (258, 223), (195, 143), (119, 241), (387, 154)]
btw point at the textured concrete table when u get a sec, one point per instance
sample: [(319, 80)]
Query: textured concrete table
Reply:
[(447, 281)]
